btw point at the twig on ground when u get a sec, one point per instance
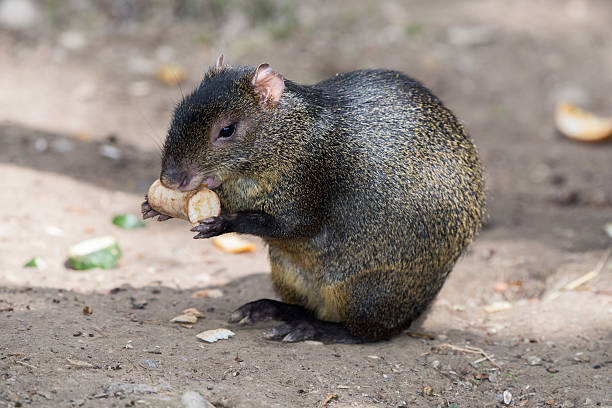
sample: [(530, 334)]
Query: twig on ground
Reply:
[(26, 364), (473, 350)]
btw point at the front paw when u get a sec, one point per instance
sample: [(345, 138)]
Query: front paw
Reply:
[(148, 211), (211, 227)]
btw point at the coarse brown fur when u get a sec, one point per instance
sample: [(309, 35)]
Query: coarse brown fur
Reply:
[(369, 188)]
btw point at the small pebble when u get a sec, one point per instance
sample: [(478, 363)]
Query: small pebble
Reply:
[(110, 151), (534, 361), (507, 397), (41, 144), (149, 364), (18, 14)]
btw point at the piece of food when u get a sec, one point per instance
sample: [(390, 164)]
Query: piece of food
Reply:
[(497, 307), (128, 221), (583, 126), (170, 74), (211, 336), (233, 244), (36, 262), (192, 311), (101, 252), (184, 318), (192, 206), (211, 293)]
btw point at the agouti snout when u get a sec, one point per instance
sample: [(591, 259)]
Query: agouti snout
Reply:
[(365, 187)]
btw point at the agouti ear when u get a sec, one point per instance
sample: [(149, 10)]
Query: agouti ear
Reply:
[(268, 84), (219, 63)]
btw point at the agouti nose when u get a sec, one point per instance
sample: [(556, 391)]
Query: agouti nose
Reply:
[(176, 179)]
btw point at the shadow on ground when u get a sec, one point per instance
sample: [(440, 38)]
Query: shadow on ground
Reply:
[(129, 168), (122, 353)]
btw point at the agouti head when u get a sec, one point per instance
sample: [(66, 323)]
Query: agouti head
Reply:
[(213, 130)]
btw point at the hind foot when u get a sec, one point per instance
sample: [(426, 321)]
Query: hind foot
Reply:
[(300, 323)]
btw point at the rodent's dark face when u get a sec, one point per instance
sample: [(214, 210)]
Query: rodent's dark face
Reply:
[(212, 131)]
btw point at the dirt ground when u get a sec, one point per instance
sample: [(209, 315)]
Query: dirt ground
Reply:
[(80, 81)]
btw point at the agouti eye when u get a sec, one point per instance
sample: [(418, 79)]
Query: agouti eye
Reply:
[(227, 131)]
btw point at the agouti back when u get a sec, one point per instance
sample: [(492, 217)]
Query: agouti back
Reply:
[(365, 186)]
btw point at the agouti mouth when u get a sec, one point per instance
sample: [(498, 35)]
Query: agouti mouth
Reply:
[(210, 182)]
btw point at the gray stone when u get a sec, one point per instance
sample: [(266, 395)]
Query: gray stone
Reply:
[(192, 399)]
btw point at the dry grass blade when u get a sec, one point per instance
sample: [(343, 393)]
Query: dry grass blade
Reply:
[(576, 283), (328, 399), (473, 350), (26, 364)]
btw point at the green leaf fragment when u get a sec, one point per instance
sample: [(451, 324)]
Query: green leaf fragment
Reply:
[(101, 252), (36, 262), (128, 221)]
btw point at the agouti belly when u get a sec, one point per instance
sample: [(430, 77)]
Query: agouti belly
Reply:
[(299, 280)]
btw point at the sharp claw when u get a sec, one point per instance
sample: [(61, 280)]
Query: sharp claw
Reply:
[(150, 214), (209, 220), (204, 229), (245, 320), (270, 334), (200, 236), (163, 217), (235, 317)]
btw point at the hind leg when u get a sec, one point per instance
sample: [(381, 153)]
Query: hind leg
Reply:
[(382, 303), (300, 322)]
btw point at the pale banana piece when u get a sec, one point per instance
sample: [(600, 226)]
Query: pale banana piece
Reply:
[(192, 206), (580, 125), (232, 244)]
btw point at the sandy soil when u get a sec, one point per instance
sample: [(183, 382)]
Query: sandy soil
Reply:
[(500, 66)]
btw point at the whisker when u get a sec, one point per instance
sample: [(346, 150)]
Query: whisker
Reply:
[(151, 134)]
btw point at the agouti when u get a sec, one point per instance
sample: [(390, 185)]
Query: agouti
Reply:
[(365, 187)]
